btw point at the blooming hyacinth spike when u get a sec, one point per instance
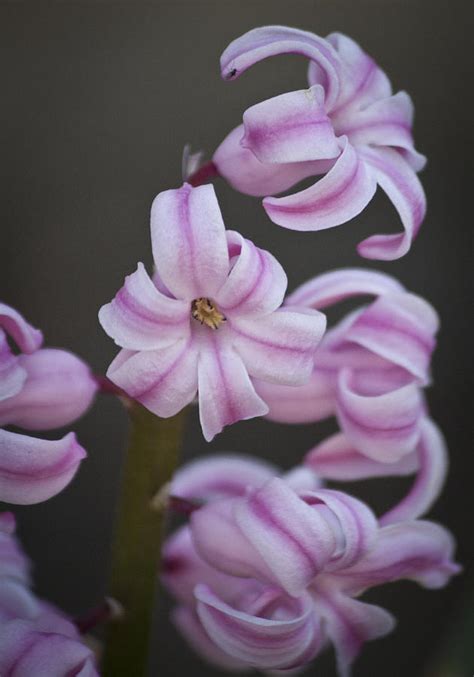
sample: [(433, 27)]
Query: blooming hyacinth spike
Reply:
[(369, 370), (210, 320), (348, 127), (40, 389), (269, 569)]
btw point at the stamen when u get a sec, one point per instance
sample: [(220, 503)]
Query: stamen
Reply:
[(205, 312)]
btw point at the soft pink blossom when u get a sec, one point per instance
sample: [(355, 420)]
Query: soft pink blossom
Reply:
[(210, 321), (348, 126)]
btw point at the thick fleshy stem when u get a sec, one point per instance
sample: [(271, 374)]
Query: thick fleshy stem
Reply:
[(204, 174), (151, 459)]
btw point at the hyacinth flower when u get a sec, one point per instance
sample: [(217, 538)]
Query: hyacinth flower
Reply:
[(369, 370), (348, 128), (35, 637), (209, 321), (41, 389), (268, 572)]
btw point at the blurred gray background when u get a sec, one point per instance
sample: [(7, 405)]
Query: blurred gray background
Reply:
[(97, 101)]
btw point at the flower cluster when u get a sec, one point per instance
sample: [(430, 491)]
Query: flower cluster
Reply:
[(36, 638), (40, 389), (269, 569)]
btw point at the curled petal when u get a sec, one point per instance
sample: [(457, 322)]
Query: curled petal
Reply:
[(294, 539), (58, 390), (291, 127), (188, 623), (263, 642), (26, 650), (256, 284), (189, 242), (280, 347), (337, 459), (403, 188), (417, 550), (433, 462), (350, 623), (13, 562), (312, 401), (33, 470), (336, 198), (221, 476), (301, 479), (27, 338), (16, 601), (164, 381), (240, 167), (260, 43), (12, 374), (142, 318), (384, 427), (400, 328), (226, 394), (7, 522), (338, 285)]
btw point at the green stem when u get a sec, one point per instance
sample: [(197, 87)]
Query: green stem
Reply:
[(151, 459)]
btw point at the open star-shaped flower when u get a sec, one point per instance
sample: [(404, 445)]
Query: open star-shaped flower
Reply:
[(209, 321), (348, 127)]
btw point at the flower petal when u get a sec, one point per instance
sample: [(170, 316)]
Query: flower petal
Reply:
[(12, 374), (433, 461), (337, 459), (260, 43), (33, 470), (27, 338), (338, 285), (164, 381), (189, 242), (384, 427), (16, 601), (226, 394), (256, 284), (221, 476), (245, 173), (264, 643), (336, 198), (291, 127), (400, 328), (279, 347), (404, 190), (350, 623), (59, 389), (142, 318)]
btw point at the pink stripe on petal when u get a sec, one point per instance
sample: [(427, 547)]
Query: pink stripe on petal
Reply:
[(291, 127), (336, 198), (189, 241), (433, 461), (338, 285), (261, 43), (384, 427), (279, 347), (337, 459), (403, 188), (27, 338), (256, 283), (142, 318), (33, 470), (226, 394)]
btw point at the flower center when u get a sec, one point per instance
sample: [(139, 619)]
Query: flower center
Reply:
[(205, 312)]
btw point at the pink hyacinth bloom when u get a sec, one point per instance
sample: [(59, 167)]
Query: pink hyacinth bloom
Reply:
[(40, 389), (35, 637), (210, 321), (369, 370), (251, 549), (348, 126)]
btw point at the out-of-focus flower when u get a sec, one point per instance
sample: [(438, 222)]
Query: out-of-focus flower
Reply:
[(210, 321), (369, 369), (40, 389), (35, 637), (348, 126), (267, 574)]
